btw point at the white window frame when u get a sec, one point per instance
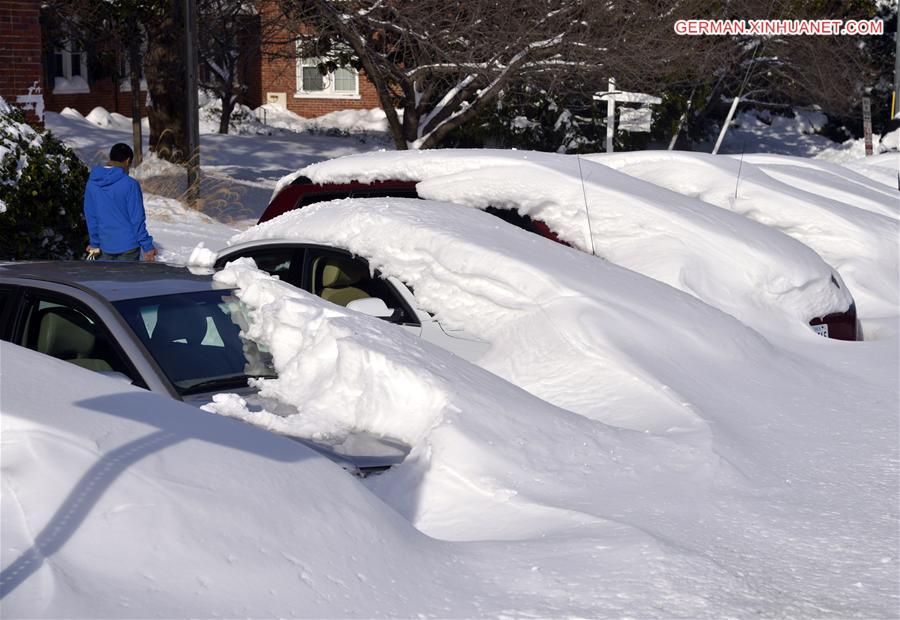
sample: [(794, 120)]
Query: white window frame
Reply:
[(67, 73), (328, 92)]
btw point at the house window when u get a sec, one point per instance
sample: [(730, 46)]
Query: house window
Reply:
[(70, 72), (342, 83)]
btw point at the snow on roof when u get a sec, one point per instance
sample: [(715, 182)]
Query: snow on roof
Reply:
[(759, 275), (857, 236)]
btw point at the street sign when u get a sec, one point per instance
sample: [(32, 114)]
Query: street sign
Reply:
[(630, 119), (635, 119)]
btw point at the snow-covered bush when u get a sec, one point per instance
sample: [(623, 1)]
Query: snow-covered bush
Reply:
[(41, 192)]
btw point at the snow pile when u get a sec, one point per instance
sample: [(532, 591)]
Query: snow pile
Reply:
[(758, 461), (851, 222), (101, 117), (855, 149), (341, 373), (754, 273), (340, 122), (122, 503)]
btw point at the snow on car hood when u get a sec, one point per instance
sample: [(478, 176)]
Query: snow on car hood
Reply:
[(849, 221), (757, 274)]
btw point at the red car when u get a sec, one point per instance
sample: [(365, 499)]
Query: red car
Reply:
[(302, 192)]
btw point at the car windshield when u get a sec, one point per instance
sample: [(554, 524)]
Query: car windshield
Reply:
[(195, 339)]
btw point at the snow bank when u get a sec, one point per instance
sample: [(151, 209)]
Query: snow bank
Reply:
[(884, 168), (121, 503), (177, 229), (756, 274), (856, 148), (341, 122), (861, 243)]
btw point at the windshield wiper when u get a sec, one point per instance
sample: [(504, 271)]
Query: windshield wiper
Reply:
[(231, 381)]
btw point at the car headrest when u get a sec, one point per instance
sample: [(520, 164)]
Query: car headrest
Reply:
[(65, 333), (178, 322), (338, 272)]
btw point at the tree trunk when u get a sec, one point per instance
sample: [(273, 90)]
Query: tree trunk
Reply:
[(165, 72), (228, 101)]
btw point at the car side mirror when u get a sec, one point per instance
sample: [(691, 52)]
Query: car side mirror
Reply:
[(372, 306)]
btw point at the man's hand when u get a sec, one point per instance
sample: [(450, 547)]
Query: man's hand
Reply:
[(92, 250), (150, 255)]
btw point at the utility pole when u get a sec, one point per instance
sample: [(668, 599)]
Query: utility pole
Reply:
[(134, 70), (610, 114), (192, 120), (895, 98)]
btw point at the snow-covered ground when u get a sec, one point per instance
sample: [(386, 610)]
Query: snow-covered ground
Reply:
[(688, 466)]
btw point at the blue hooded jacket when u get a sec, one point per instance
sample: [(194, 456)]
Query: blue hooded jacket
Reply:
[(114, 211)]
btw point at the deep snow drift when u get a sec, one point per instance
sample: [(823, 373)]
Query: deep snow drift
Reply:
[(780, 493)]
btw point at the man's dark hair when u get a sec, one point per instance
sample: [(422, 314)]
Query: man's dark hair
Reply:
[(120, 152)]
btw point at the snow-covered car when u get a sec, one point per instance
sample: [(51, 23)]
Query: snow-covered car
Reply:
[(567, 327), (156, 326), (338, 276), (721, 257)]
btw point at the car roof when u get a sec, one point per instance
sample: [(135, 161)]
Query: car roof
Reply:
[(114, 281)]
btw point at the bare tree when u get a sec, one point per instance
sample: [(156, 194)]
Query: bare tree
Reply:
[(232, 38), (442, 62)]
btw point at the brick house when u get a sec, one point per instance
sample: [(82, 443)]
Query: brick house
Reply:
[(296, 84), (43, 74), (21, 69)]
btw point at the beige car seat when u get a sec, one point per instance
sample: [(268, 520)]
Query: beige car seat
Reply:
[(339, 277), (67, 335)]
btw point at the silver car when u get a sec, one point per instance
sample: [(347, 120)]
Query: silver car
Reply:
[(156, 326)]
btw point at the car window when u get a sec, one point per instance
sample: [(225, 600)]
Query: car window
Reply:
[(275, 261), (63, 328), (342, 279), (7, 299), (196, 339)]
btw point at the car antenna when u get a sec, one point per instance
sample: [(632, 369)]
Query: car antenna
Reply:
[(587, 214), (737, 181)]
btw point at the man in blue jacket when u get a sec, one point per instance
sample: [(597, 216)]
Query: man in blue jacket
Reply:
[(114, 211)]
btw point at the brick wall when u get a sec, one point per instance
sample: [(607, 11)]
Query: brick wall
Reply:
[(20, 49)]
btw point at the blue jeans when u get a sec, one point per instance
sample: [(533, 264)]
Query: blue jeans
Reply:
[(134, 254)]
